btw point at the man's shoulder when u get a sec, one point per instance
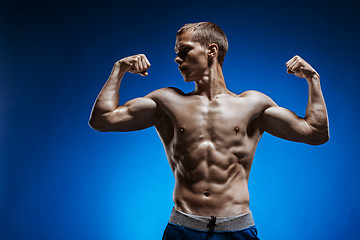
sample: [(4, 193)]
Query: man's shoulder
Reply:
[(257, 97), (251, 93), (166, 93)]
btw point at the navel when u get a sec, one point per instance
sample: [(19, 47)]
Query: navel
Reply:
[(206, 194), (182, 130), (236, 129)]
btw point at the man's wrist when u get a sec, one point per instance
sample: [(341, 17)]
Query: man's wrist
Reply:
[(122, 67), (314, 77)]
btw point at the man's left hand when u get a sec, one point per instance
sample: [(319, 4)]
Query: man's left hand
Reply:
[(300, 68)]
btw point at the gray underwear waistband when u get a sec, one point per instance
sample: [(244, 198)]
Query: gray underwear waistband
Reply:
[(233, 223)]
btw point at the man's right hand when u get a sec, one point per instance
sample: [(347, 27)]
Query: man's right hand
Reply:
[(135, 64)]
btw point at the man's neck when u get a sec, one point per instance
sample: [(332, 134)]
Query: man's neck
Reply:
[(212, 83)]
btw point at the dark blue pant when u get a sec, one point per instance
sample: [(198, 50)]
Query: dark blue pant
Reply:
[(176, 232)]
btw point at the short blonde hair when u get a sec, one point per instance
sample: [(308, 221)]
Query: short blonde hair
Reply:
[(206, 33)]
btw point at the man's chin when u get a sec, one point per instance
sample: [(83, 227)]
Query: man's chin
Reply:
[(188, 78)]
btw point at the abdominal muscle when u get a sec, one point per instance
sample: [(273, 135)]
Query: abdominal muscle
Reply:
[(210, 182)]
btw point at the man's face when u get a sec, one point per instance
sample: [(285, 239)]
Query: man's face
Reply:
[(191, 57)]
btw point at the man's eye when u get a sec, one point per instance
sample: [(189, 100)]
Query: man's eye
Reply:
[(184, 51)]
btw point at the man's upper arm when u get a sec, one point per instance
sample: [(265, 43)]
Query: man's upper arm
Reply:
[(136, 114), (283, 123)]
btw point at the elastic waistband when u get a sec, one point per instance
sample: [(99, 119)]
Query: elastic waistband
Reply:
[(217, 224)]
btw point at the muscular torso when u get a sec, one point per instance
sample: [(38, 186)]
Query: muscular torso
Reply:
[(210, 145)]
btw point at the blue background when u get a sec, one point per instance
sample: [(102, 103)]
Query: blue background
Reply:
[(59, 179)]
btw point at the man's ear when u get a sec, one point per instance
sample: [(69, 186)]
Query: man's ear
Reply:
[(213, 50)]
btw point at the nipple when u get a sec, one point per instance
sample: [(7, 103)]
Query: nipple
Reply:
[(236, 129)]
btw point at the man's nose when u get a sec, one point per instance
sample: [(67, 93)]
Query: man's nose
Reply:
[(178, 60)]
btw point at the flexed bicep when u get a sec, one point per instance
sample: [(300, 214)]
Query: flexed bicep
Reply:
[(136, 114), (285, 124)]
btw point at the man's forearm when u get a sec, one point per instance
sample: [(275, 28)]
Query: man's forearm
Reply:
[(316, 114), (108, 98)]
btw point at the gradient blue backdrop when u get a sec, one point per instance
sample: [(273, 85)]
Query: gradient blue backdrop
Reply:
[(59, 179)]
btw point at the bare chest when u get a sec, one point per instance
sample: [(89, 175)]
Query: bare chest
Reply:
[(220, 120)]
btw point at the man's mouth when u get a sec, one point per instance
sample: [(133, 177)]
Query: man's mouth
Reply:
[(182, 69)]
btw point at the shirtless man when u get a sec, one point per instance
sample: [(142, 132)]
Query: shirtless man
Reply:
[(209, 135)]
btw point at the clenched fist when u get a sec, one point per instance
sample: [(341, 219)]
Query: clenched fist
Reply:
[(135, 64), (300, 68)]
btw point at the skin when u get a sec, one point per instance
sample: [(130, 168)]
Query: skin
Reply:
[(209, 135)]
